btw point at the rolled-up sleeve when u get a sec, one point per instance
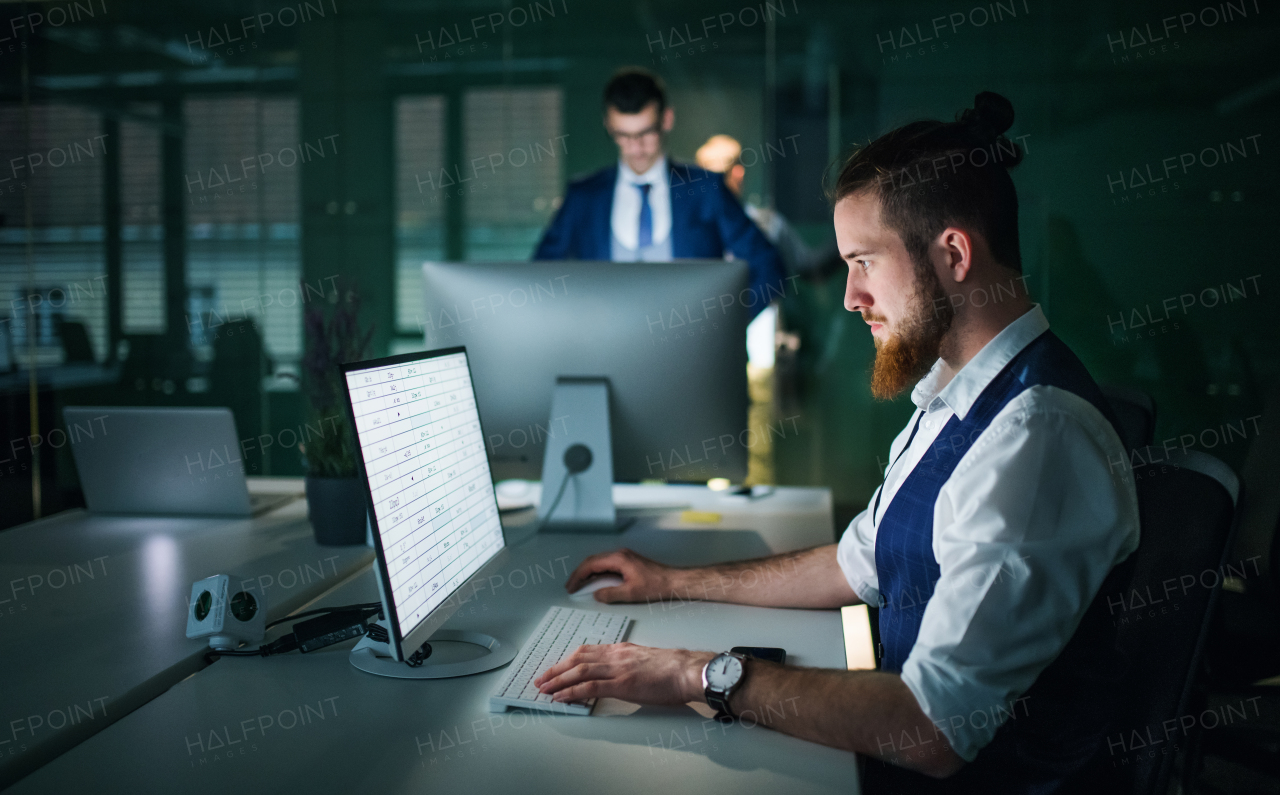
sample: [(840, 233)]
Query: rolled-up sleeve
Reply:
[(1026, 529)]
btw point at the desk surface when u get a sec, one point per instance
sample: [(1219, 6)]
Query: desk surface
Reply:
[(93, 612), (313, 721), (790, 518)]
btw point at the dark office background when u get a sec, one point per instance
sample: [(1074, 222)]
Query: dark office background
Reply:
[(180, 181)]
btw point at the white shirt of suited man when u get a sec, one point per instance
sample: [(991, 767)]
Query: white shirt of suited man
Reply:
[(625, 219)]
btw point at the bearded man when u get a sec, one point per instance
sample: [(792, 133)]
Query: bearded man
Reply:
[(992, 542)]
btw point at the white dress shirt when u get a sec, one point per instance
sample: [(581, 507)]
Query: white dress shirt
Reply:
[(625, 219), (1024, 532)]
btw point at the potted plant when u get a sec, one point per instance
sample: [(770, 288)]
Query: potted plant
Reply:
[(335, 495)]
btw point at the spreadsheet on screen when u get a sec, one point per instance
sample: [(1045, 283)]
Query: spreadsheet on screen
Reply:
[(419, 434)]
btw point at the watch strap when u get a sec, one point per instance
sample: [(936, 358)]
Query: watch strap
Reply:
[(721, 705)]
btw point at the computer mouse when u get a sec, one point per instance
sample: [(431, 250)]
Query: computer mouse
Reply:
[(514, 488), (514, 495), (591, 586)]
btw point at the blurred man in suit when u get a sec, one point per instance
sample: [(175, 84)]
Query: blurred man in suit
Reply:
[(648, 208)]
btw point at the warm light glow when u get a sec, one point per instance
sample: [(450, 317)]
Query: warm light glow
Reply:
[(718, 484), (858, 652)]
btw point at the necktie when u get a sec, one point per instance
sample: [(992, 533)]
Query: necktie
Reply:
[(645, 238)]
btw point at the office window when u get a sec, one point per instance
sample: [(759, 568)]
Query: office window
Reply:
[(515, 154), (56, 162), (419, 201), (142, 230), (241, 185)]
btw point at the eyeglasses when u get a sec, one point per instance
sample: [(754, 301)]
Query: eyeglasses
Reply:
[(622, 137)]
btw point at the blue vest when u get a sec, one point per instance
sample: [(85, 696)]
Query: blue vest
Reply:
[(1058, 739)]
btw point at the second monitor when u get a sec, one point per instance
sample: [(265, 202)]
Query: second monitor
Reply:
[(669, 338)]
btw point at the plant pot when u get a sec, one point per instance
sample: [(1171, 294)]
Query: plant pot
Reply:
[(336, 508)]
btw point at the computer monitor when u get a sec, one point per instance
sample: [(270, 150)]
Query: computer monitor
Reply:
[(669, 337), (432, 507)]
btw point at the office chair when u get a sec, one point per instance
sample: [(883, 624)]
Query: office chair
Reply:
[(153, 359), (1245, 646), (1187, 512), (6, 346), (76, 347), (1136, 411), (1253, 740)]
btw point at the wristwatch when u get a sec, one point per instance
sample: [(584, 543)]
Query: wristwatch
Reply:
[(720, 678)]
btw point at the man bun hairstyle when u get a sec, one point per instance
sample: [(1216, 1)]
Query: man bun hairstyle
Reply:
[(631, 88), (931, 174)]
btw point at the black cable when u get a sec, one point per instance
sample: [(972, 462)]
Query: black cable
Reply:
[(296, 616), (577, 459), (418, 657), (278, 646), (379, 634), (289, 642), (563, 484), (318, 611)]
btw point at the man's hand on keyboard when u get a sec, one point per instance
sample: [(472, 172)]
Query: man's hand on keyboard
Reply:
[(642, 579), (639, 674)]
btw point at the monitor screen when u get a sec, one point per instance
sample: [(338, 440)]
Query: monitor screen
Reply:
[(418, 430)]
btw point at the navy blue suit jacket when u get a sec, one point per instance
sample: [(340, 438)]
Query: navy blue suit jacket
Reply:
[(706, 221)]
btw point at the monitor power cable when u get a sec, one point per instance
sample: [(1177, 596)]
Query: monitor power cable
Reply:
[(577, 459)]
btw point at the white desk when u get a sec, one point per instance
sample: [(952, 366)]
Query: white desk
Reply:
[(312, 721), (93, 612), (790, 518)]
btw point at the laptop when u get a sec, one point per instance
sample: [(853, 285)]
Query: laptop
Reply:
[(162, 461)]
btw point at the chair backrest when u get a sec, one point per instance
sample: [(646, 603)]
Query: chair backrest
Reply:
[(1136, 412), (1187, 511), (76, 347), (1259, 535)]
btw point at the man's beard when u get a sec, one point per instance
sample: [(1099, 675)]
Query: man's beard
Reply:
[(914, 346)]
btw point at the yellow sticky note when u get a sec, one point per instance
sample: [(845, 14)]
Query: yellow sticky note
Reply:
[(700, 517)]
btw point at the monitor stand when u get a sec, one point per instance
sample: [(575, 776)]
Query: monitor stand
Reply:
[(579, 419), (373, 657)]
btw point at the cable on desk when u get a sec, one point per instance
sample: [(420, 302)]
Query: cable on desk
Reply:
[(277, 646), (319, 631), (318, 611)]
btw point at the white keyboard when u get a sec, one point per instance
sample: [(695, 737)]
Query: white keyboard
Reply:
[(560, 632)]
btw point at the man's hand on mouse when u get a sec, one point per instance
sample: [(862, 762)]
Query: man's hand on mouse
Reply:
[(639, 674), (642, 579)]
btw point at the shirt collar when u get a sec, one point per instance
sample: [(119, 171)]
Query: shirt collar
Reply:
[(960, 394), (656, 175)]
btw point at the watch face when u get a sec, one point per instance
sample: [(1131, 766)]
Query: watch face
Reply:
[(723, 672)]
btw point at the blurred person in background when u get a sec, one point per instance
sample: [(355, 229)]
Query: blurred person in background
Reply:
[(648, 208)]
